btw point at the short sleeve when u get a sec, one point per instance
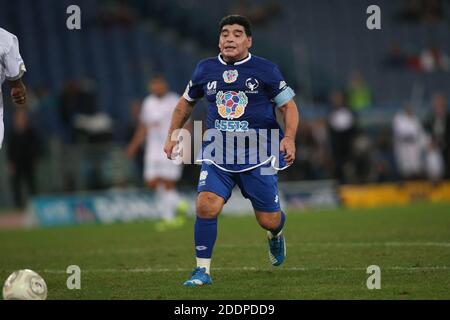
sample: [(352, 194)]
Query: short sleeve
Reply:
[(146, 116), (194, 90), (279, 91), (14, 65)]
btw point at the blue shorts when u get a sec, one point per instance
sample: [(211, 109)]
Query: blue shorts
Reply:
[(261, 190)]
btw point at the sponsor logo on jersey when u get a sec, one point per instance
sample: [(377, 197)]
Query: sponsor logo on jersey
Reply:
[(211, 88), (231, 104), (230, 76), (252, 84)]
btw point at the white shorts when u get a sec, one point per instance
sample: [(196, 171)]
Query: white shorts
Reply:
[(163, 169)]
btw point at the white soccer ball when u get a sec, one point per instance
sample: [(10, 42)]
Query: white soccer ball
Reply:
[(25, 285)]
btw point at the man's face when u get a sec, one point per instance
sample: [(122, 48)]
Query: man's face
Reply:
[(158, 87), (234, 43)]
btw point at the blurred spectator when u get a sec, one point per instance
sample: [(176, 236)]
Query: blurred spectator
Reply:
[(395, 59), (258, 13), (358, 92), (409, 143), (428, 60), (116, 12), (434, 163), (384, 160), (432, 11), (410, 11), (438, 126), (427, 11), (342, 128), (89, 130), (322, 153), (434, 59), (80, 115), (22, 153), (362, 156)]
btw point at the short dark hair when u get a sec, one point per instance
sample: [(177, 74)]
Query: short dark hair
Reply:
[(237, 19)]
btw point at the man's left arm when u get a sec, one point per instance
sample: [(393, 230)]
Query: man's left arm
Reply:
[(291, 119)]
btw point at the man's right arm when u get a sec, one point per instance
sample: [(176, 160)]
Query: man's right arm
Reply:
[(180, 115), (18, 92)]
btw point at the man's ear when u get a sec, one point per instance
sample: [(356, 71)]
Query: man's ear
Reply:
[(250, 42)]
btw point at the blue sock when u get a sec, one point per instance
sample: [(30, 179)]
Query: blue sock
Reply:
[(280, 227), (205, 235)]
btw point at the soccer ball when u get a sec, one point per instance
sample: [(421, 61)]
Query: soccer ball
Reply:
[(25, 285)]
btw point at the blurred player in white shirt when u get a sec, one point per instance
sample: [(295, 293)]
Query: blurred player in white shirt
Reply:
[(12, 69), (160, 173), (410, 141)]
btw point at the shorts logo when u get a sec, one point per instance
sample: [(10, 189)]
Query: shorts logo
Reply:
[(283, 84), (230, 76), (252, 84), (203, 175), (231, 104), (276, 199)]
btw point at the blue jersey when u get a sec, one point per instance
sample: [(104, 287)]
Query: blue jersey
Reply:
[(242, 98)]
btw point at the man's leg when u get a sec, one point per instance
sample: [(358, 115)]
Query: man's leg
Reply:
[(273, 222), (214, 189), (262, 191), (209, 206)]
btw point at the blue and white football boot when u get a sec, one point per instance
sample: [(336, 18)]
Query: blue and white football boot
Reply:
[(199, 278), (277, 248)]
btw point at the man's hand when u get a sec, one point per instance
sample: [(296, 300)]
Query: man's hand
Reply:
[(287, 146), (169, 146), (19, 93)]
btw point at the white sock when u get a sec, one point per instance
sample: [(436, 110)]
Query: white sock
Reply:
[(204, 263), (170, 202), (160, 203)]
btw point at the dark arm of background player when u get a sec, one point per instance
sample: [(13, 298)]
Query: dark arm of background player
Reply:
[(18, 91), (291, 120), (180, 115), (136, 141)]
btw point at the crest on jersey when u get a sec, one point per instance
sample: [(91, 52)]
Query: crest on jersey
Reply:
[(230, 76), (231, 104), (252, 84)]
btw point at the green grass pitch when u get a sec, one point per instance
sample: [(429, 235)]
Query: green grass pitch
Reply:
[(328, 253)]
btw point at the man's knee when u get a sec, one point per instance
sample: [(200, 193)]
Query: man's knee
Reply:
[(269, 220), (209, 205)]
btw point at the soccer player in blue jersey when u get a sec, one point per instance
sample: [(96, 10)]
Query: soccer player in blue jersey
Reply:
[(243, 92)]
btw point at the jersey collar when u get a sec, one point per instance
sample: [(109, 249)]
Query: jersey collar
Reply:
[(235, 63)]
